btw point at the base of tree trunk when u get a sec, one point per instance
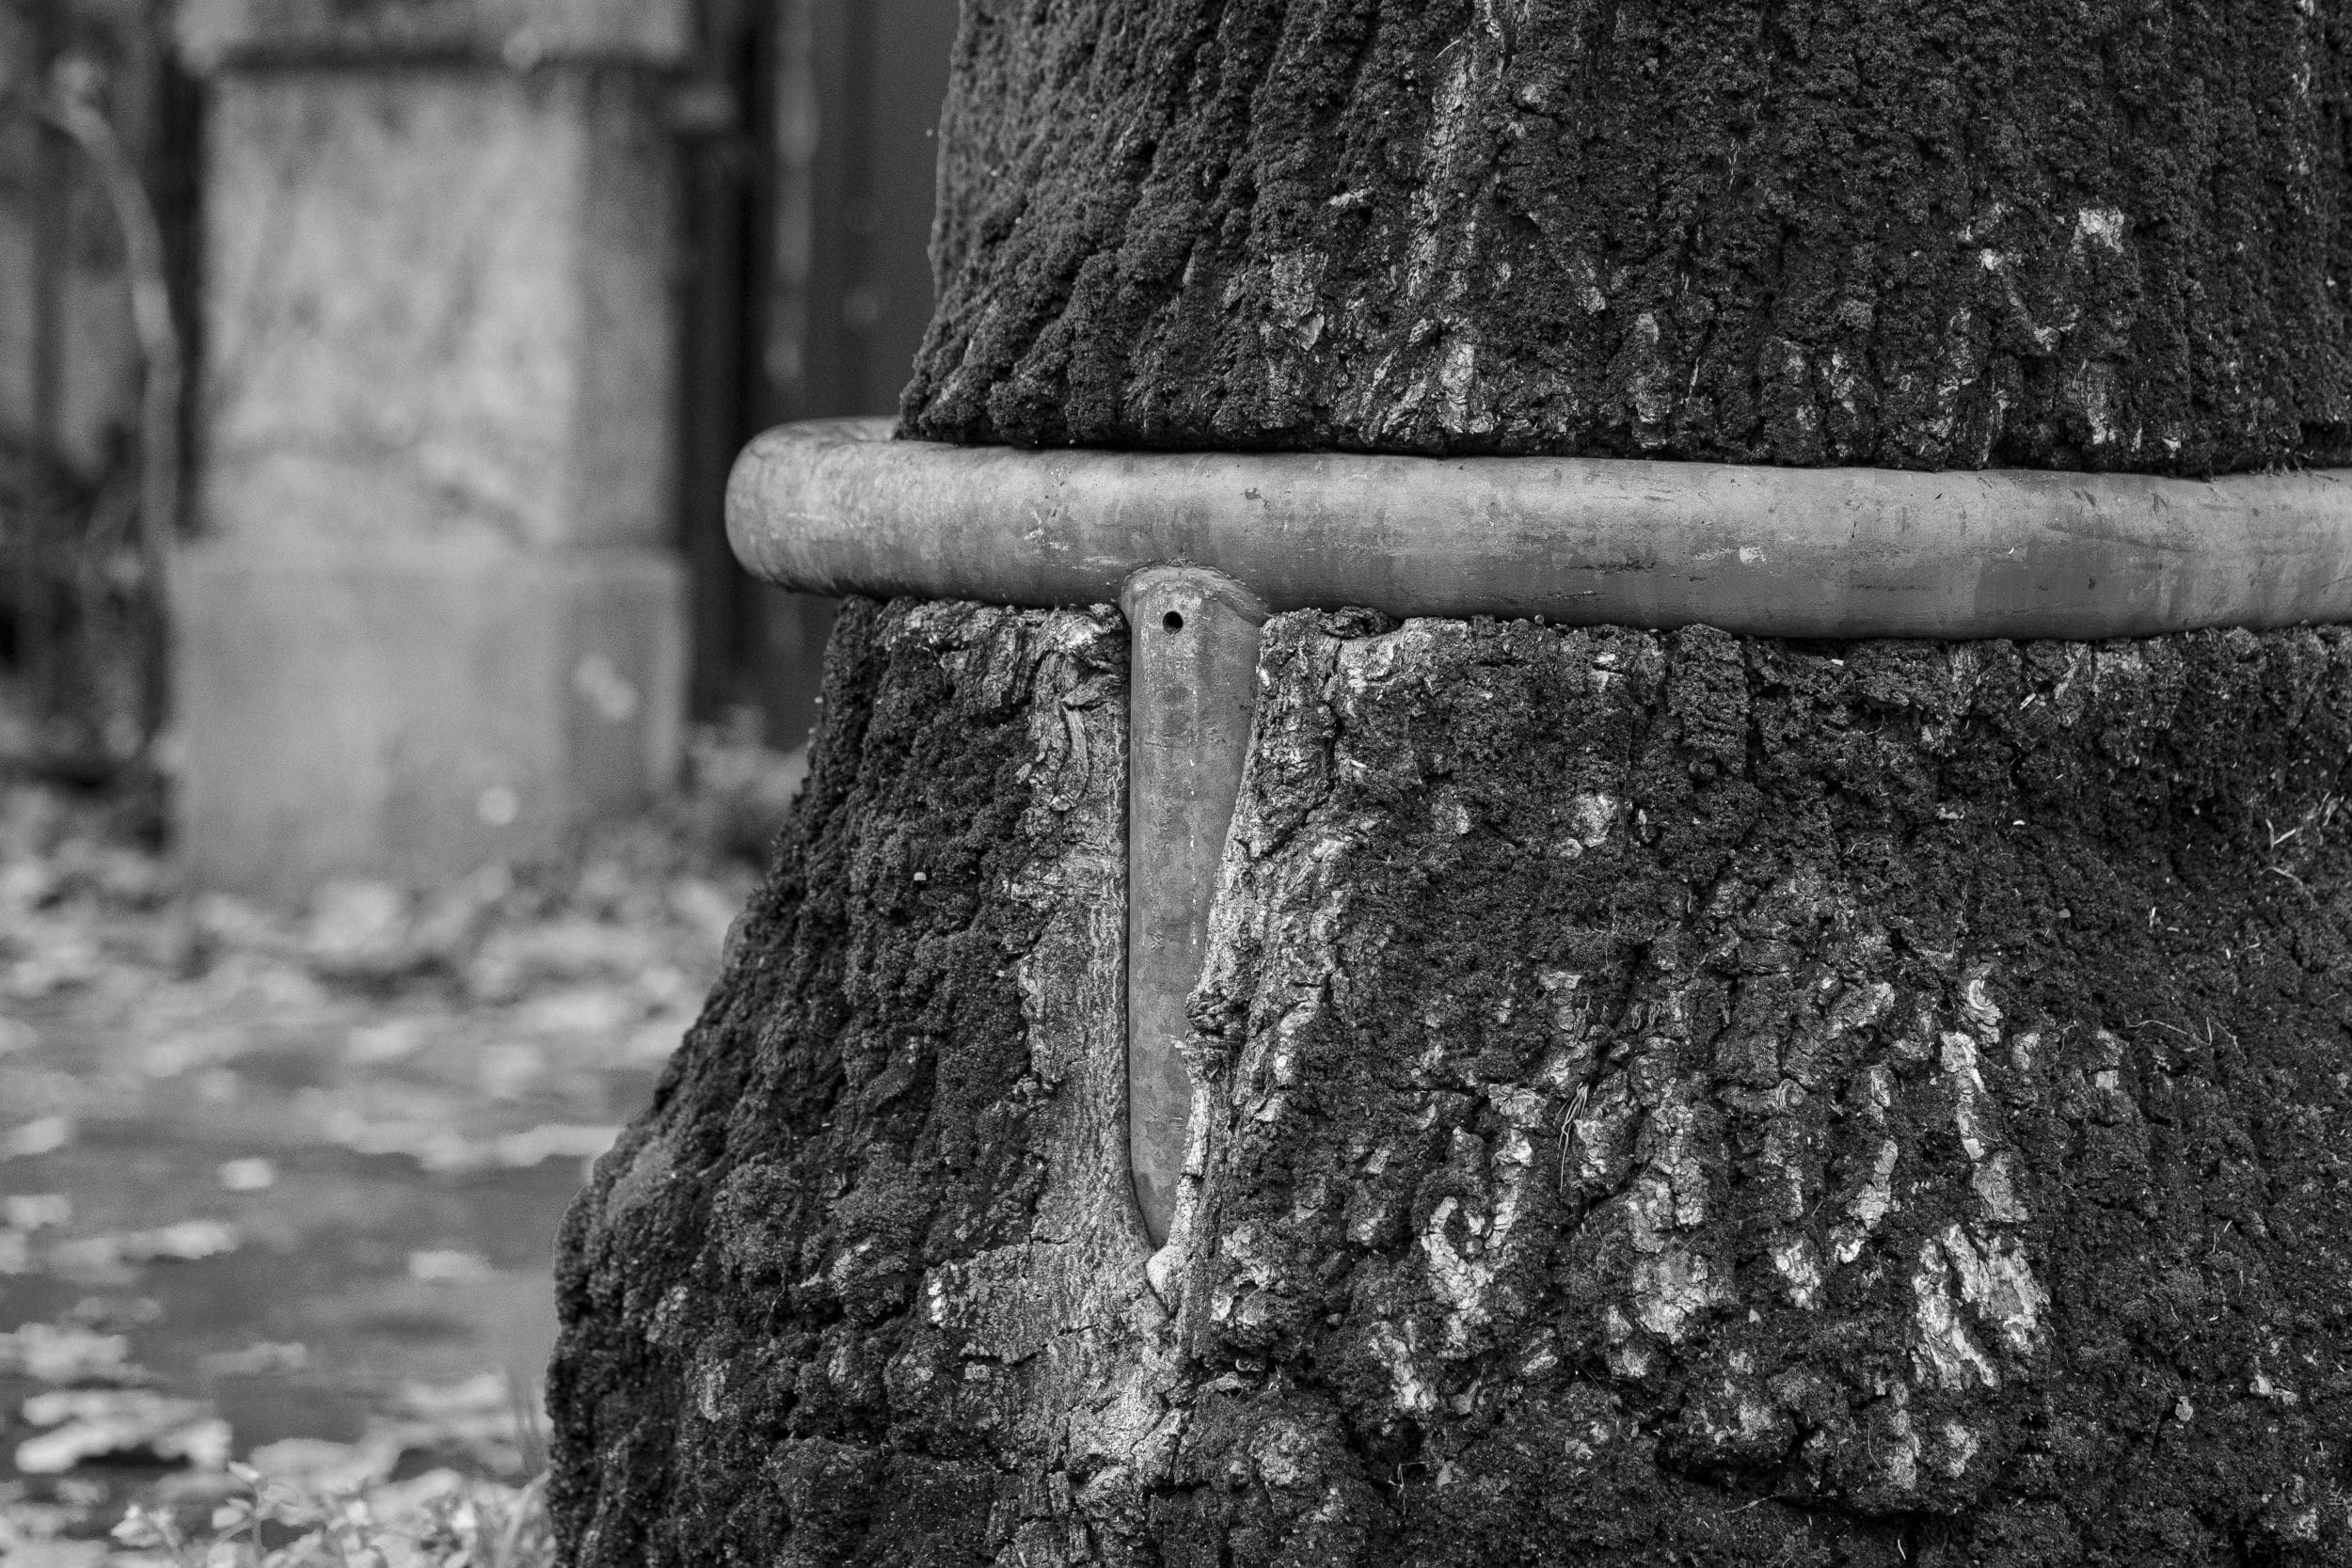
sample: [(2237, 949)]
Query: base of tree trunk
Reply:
[(1664, 1098)]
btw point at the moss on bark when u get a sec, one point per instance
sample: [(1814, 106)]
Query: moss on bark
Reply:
[(1667, 1097), (1664, 1098), (892, 1080), (1889, 232)]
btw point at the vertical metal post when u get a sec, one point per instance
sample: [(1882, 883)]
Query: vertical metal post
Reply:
[(1193, 672), (720, 159), (52, 215), (47, 533)]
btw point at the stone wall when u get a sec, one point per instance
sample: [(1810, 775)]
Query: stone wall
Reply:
[(435, 309), (435, 615)]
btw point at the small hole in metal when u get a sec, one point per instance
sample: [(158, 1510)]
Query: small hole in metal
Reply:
[(1172, 621)]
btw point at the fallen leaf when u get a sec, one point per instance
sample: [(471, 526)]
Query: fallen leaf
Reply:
[(580, 1140), (580, 1010), (359, 929), (25, 885), (247, 1175), (98, 1423), (511, 1070), (59, 960), (484, 1391), (37, 1210), (449, 1267), (519, 959), (44, 1136), (92, 1260), (374, 1044), (51, 1353), (435, 1145), (181, 1053), (184, 1243), (315, 1464), (235, 923)]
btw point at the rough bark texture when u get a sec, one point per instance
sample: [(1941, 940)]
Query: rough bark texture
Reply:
[(2108, 235), (810, 1297), (1667, 1099)]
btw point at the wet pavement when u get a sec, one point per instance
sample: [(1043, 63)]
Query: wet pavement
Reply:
[(297, 1175)]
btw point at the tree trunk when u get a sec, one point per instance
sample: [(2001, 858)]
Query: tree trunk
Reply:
[(1666, 1098), (1663, 1097), (2109, 236)]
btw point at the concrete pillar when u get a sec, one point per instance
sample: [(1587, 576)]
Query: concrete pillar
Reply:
[(433, 615)]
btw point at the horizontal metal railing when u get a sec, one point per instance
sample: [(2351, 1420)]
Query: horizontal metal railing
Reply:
[(834, 507)]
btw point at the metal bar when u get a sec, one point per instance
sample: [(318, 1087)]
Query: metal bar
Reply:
[(1196, 547), (837, 508), (1193, 682)]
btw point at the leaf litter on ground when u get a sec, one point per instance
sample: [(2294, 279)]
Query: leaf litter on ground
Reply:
[(507, 1019)]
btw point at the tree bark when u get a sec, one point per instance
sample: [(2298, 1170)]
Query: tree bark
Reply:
[(1666, 1098), (2101, 236), (894, 1137), (1662, 1096)]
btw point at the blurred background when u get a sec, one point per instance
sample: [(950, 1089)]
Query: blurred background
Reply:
[(386, 738)]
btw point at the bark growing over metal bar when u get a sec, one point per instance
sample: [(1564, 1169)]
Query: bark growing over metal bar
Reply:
[(1662, 1096), (1667, 1097), (1900, 233)]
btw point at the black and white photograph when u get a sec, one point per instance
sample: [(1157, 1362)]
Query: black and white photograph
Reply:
[(1175, 784)]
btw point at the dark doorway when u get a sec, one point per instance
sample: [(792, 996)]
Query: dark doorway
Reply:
[(811, 156)]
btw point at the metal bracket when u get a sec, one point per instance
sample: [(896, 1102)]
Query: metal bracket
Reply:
[(1193, 674), (837, 507)]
